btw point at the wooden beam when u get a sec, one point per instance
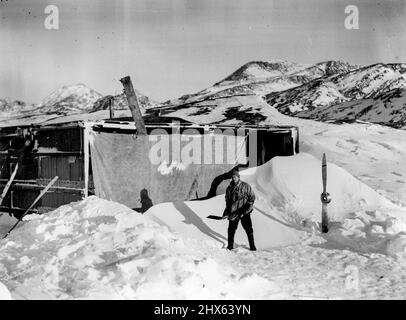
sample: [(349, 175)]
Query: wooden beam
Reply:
[(16, 210), (111, 107), (86, 149), (27, 211), (28, 186), (133, 105), (10, 181)]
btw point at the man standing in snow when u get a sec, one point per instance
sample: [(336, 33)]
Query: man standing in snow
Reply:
[(239, 204)]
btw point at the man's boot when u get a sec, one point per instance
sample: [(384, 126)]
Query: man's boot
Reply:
[(230, 245), (251, 242)]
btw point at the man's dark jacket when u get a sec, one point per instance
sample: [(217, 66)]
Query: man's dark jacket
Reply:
[(239, 200)]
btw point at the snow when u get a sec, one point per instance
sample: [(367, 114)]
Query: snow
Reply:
[(372, 153), (263, 77), (327, 95), (82, 95), (98, 249), (368, 79), (288, 205), (300, 188), (365, 150), (4, 293), (69, 103), (372, 109), (374, 93), (46, 150)]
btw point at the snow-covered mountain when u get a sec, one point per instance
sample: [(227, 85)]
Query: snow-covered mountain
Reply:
[(259, 77), (238, 97), (260, 70), (330, 90), (374, 93), (67, 100), (10, 105), (387, 108), (120, 102), (11, 108), (70, 99)]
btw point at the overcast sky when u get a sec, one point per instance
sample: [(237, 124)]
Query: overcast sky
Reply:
[(174, 47)]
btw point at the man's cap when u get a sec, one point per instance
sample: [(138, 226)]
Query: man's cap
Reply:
[(235, 172)]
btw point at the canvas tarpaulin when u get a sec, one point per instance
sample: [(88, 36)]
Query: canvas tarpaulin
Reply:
[(124, 164)]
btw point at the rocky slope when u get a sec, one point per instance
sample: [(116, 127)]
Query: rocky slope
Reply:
[(331, 90), (258, 77)]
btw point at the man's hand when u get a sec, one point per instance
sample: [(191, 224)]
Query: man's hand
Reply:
[(238, 214), (234, 216)]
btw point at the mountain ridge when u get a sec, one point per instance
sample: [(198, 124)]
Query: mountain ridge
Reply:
[(307, 91), (332, 90)]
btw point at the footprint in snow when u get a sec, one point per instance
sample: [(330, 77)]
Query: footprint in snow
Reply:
[(397, 174)]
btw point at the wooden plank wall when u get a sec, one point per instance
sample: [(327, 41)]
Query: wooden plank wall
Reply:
[(65, 166), (59, 154)]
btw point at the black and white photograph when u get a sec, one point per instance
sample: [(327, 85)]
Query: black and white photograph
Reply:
[(206, 150)]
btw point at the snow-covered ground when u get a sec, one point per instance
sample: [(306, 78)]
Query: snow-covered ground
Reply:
[(374, 154), (97, 249)]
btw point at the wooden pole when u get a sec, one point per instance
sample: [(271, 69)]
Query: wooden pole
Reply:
[(17, 168), (111, 106), (10, 181), (32, 205), (86, 146), (133, 105)]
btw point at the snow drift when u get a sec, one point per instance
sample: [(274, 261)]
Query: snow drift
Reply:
[(98, 249), (288, 207), (4, 293), (294, 184), (360, 218)]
